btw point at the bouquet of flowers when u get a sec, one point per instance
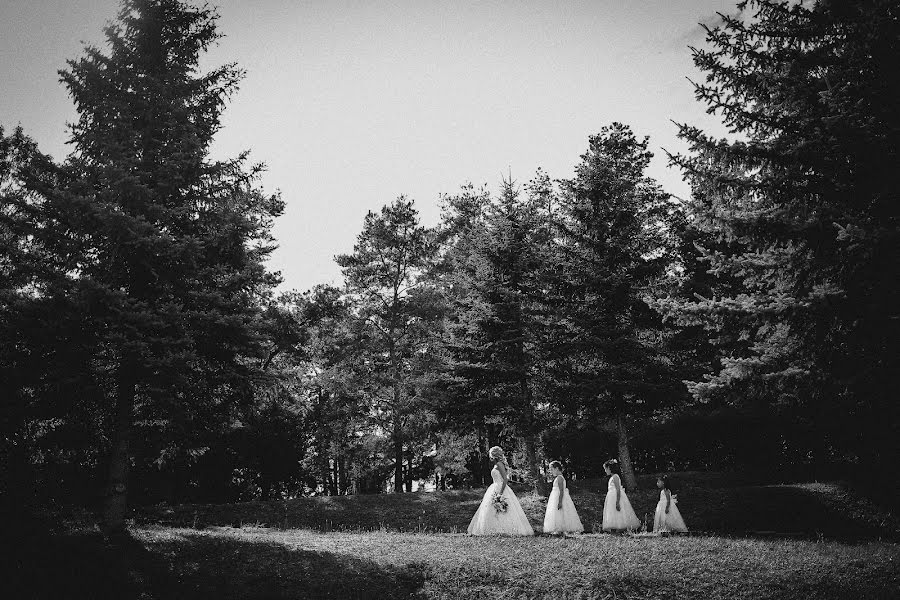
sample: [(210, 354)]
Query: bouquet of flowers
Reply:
[(499, 503)]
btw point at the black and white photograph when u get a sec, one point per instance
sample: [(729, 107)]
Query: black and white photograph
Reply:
[(450, 300)]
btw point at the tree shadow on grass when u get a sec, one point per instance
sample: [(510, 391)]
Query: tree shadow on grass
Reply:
[(44, 564), (195, 566), (780, 510), (225, 567)]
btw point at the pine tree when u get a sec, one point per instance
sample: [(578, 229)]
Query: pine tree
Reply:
[(163, 249), (612, 245), (45, 349), (495, 329), (797, 217), (467, 411), (398, 317)]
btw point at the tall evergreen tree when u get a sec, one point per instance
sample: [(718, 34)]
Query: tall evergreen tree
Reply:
[(468, 411), (163, 248), (398, 315), (612, 245), (495, 329), (798, 217), (45, 347)]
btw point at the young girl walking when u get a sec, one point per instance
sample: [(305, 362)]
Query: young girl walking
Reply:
[(617, 512), (667, 517), (561, 516)]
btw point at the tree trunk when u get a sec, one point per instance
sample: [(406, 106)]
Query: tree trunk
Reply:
[(534, 472), (395, 383), (398, 463), (409, 470), (115, 506), (324, 462), (342, 475), (335, 484), (624, 454), (485, 471)]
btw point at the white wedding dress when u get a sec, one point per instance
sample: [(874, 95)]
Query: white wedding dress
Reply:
[(487, 521)]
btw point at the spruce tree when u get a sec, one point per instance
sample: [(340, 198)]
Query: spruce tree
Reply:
[(163, 249), (612, 244), (495, 330), (469, 411), (797, 216), (45, 347)]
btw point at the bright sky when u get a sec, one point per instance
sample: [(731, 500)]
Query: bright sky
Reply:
[(351, 104)]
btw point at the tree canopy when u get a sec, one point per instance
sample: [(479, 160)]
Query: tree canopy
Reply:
[(147, 353)]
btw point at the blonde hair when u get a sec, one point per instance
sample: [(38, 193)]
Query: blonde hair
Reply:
[(497, 455)]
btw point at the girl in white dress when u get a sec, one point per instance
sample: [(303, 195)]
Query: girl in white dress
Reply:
[(617, 512), (667, 517), (500, 511), (561, 516)]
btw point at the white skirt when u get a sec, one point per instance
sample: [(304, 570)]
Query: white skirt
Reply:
[(668, 522), (487, 521), (563, 520), (619, 520)]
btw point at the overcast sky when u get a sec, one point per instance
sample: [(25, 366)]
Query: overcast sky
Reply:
[(351, 104)]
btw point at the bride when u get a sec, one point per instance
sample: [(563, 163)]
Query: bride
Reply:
[(500, 511)]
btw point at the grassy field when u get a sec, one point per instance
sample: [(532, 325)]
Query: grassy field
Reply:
[(710, 504), (747, 541), (263, 564)]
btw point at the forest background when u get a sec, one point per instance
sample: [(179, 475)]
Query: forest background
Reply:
[(147, 355)]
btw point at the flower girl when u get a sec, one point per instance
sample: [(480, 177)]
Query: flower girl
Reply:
[(500, 511), (617, 512), (561, 516), (668, 517)]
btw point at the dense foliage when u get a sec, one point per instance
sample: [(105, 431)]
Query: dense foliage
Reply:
[(796, 222), (751, 327), (146, 253)]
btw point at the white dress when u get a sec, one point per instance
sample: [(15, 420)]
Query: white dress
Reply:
[(487, 521), (618, 520), (671, 521), (564, 520)]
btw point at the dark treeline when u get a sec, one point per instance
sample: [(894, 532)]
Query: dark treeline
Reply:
[(146, 355)]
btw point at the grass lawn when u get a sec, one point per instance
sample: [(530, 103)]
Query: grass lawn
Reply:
[(260, 563), (710, 505), (747, 541)]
